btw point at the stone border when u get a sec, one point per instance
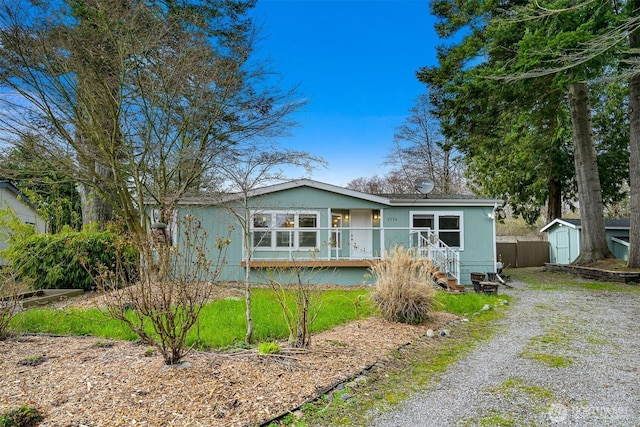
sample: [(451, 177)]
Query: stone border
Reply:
[(595, 273)]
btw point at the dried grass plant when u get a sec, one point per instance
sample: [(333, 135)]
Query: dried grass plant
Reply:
[(404, 286)]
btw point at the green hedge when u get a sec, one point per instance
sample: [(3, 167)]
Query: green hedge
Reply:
[(63, 261)]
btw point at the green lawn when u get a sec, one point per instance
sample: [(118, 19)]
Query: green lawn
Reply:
[(222, 322)]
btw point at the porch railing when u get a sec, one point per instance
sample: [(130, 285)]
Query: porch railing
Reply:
[(430, 247), (343, 243)]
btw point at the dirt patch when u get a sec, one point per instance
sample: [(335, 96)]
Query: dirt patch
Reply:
[(612, 264), (85, 381)]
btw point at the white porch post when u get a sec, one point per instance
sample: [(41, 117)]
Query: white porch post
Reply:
[(329, 224), (382, 248)]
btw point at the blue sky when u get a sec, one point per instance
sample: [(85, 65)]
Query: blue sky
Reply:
[(355, 60)]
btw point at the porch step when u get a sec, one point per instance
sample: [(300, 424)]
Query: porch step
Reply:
[(448, 283), (453, 284)]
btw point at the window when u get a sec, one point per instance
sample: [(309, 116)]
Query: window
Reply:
[(447, 226), (449, 230), (281, 230), (308, 238), (421, 221), (284, 238), (259, 236)]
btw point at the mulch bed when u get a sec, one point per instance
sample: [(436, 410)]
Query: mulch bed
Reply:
[(85, 381)]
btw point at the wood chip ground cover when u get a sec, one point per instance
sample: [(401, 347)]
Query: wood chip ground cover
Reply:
[(82, 382)]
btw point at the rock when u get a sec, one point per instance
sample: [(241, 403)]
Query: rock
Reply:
[(486, 307), (444, 333), (430, 333), (181, 365), (356, 381), (361, 379), (345, 397)]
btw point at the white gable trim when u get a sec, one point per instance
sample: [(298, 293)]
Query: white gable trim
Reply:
[(560, 223)]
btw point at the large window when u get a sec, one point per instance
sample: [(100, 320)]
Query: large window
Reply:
[(447, 226), (281, 230), (449, 230)]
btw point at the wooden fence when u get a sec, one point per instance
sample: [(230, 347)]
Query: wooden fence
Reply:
[(523, 253)]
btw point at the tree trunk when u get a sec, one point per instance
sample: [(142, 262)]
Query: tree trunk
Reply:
[(446, 171), (246, 231), (593, 242), (98, 66), (554, 200), (634, 156), (94, 174), (95, 210)]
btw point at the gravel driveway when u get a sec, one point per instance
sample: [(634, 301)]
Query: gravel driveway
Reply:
[(561, 358)]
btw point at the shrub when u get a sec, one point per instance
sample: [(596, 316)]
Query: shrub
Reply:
[(21, 416), (298, 299), (174, 283), (69, 260), (9, 301), (404, 286), (269, 348)]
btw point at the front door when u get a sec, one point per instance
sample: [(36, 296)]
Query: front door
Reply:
[(361, 234)]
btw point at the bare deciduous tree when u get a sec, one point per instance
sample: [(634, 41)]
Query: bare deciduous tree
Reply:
[(176, 89), (9, 301), (299, 299), (375, 185), (420, 151), (163, 306), (242, 171)]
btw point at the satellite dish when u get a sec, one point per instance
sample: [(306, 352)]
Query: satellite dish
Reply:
[(424, 186)]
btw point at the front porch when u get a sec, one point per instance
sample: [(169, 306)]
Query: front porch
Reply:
[(311, 263), (292, 245)]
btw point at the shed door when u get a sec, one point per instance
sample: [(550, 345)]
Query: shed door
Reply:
[(563, 253), (361, 234)]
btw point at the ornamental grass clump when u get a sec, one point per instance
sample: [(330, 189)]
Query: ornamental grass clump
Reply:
[(404, 286)]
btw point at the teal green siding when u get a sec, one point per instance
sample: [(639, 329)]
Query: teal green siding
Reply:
[(389, 226), (564, 243), (620, 250)]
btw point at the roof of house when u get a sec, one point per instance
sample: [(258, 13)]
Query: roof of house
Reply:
[(609, 224), (384, 199), (9, 186)]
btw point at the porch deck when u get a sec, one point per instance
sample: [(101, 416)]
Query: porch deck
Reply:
[(313, 263)]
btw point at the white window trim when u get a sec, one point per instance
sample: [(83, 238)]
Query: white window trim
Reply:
[(436, 223), (296, 230)]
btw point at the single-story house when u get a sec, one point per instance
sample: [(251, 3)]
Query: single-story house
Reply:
[(11, 197), (308, 223), (564, 239)]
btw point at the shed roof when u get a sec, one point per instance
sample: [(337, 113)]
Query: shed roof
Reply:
[(609, 224)]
